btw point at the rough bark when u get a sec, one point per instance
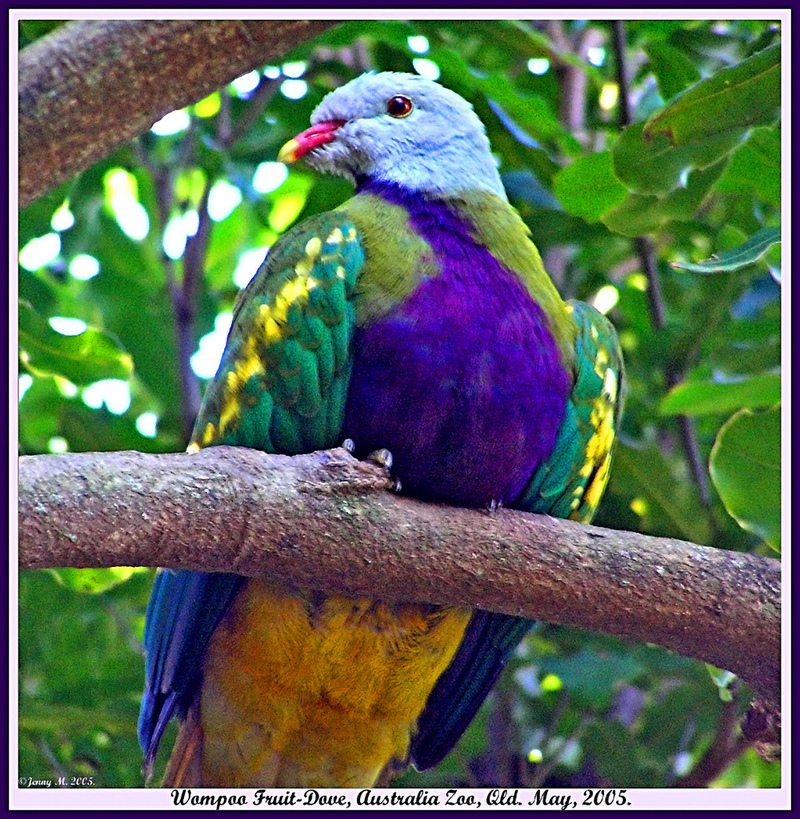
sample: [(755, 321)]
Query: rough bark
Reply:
[(326, 521), (92, 85)]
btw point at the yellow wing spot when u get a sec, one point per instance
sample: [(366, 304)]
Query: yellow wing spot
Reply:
[(313, 247), (335, 236), (610, 385), (351, 234), (600, 443), (595, 335), (311, 283), (306, 264), (601, 361), (599, 447), (340, 272), (229, 411), (294, 290), (595, 491), (232, 381), (208, 434), (248, 367), (269, 330)]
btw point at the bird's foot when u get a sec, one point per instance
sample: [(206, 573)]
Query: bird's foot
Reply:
[(380, 457), (383, 457), (493, 506)]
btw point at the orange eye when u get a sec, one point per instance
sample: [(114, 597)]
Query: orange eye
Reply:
[(399, 107)]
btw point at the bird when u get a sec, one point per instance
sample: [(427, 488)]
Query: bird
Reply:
[(415, 320)]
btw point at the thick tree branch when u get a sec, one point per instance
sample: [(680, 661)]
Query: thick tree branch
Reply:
[(325, 521), (93, 85)]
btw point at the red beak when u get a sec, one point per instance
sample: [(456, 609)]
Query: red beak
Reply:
[(315, 136)]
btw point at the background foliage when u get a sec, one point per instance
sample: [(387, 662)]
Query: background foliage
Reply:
[(665, 213)]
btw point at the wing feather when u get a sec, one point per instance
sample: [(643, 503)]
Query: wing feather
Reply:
[(281, 387)]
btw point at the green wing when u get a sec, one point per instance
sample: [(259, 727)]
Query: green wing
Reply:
[(571, 482), (282, 383)]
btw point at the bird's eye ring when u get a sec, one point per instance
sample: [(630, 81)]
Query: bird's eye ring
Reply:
[(399, 107)]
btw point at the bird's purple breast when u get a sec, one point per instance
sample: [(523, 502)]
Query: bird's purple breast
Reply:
[(463, 381)]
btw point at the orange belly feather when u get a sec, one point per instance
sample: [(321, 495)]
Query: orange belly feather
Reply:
[(301, 690)]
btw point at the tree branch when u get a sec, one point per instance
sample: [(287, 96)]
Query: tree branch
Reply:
[(325, 521), (92, 85)]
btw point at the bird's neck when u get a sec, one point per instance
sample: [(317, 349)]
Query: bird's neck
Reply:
[(458, 166), (404, 190), (437, 219), (451, 225)]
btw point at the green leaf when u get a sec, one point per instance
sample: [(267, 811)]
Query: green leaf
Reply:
[(35, 219), (31, 30), (751, 769), (746, 469), (588, 187), (228, 239), (747, 253), (538, 42), (82, 359), (741, 96), (131, 296), (80, 677), (638, 215), (673, 70), (756, 166), (703, 397), (655, 166), (664, 503), (531, 113), (94, 581), (722, 679), (591, 675)]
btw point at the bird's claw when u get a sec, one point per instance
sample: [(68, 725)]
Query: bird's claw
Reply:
[(381, 457), (494, 505)]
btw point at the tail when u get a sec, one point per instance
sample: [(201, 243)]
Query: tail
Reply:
[(185, 766), (193, 764)]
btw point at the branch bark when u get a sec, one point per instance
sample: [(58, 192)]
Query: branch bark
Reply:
[(93, 85), (326, 521)]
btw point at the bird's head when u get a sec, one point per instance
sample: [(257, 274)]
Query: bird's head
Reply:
[(399, 128)]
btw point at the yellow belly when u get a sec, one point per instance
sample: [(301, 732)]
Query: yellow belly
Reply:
[(302, 690)]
